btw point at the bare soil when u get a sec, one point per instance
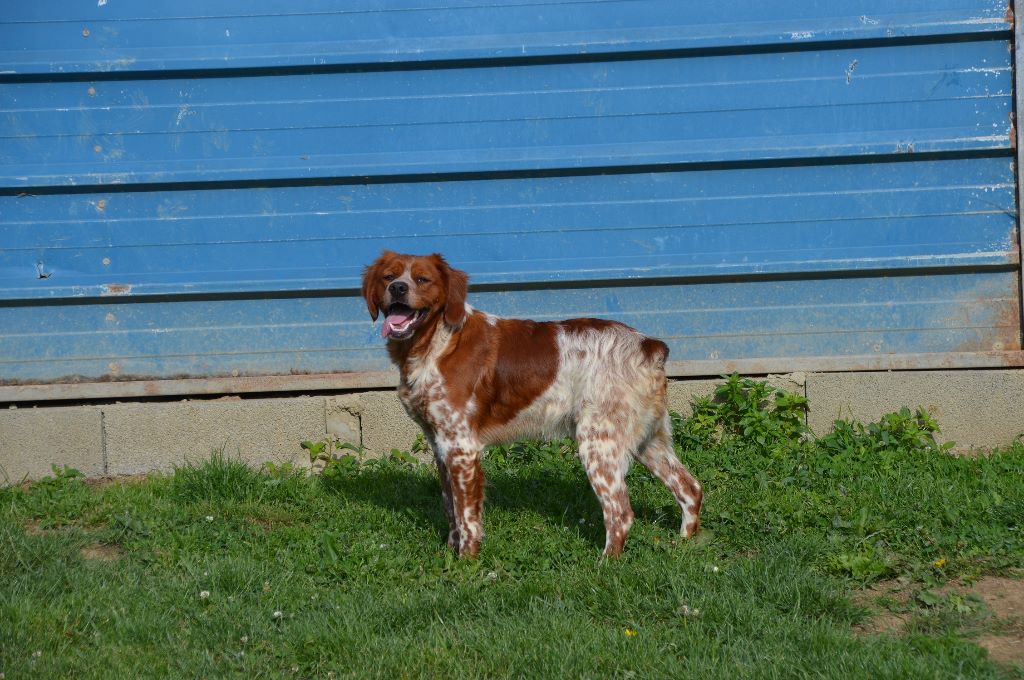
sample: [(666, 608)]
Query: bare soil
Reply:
[(101, 552), (1003, 596)]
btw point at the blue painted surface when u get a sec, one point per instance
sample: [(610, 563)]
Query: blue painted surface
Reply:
[(782, 179), (706, 321), (773, 220), (76, 37), (732, 108)]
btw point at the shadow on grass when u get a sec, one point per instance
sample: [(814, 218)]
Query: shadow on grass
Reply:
[(561, 497)]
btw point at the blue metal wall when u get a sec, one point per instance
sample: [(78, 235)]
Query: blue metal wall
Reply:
[(189, 189)]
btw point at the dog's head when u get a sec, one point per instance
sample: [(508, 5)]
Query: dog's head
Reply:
[(414, 291)]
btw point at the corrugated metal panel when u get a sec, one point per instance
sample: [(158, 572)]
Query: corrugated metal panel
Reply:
[(161, 35), (732, 222), (694, 109), (190, 190)]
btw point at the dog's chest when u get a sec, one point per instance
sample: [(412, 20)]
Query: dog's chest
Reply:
[(419, 388)]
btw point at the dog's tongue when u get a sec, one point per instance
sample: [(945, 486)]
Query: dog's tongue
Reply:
[(395, 320)]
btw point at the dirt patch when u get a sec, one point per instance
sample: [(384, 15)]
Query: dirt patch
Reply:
[(1004, 597), (34, 527), (101, 552), (884, 620), (1005, 649)]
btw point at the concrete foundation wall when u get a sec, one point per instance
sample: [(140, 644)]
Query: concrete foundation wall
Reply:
[(976, 409)]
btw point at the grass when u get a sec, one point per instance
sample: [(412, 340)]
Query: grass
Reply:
[(223, 571)]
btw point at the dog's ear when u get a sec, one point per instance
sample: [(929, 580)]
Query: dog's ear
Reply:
[(370, 277), (458, 288)]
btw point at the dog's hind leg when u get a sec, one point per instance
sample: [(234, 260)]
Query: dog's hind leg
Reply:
[(659, 457), (606, 459)]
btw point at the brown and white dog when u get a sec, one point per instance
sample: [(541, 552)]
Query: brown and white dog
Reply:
[(470, 380)]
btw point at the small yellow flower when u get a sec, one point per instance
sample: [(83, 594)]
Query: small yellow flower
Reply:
[(630, 632), (940, 563)]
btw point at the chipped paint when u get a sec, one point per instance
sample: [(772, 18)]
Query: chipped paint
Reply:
[(115, 289)]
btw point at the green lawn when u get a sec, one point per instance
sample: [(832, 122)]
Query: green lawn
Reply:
[(221, 571)]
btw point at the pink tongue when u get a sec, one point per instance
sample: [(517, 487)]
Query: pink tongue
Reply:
[(392, 320)]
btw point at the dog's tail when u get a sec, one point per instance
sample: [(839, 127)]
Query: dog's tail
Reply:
[(655, 352)]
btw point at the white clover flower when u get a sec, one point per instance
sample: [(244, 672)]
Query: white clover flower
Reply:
[(277, 615), (209, 518), (204, 594)]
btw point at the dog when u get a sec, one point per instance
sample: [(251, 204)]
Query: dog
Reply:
[(470, 379)]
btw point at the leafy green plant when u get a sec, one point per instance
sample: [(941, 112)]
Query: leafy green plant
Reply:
[(62, 476), (744, 408), (898, 431), (526, 453), (337, 465), (867, 565)]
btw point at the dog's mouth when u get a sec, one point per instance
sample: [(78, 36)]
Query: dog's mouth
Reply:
[(400, 321)]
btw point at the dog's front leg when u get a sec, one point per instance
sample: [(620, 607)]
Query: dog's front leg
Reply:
[(467, 496), (446, 495)]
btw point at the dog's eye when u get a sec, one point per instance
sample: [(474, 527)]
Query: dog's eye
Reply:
[(389, 277), (422, 279)]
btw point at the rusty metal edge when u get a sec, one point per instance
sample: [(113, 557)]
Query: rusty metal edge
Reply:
[(867, 362), (1016, 18), (330, 382)]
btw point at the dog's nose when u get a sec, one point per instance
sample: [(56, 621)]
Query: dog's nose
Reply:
[(398, 288)]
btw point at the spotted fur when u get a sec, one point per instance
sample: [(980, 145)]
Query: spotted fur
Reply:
[(471, 379)]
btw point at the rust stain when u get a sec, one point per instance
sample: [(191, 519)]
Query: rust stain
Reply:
[(101, 204), (1013, 130), (116, 289), (85, 32), (1009, 13), (1001, 334)]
